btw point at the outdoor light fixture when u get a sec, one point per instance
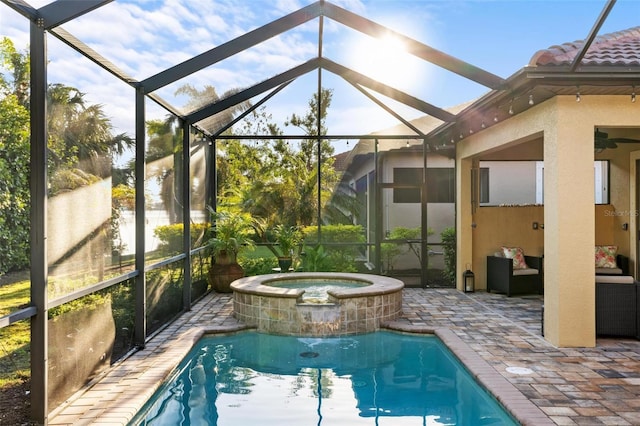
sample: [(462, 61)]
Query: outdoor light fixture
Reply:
[(531, 102), (633, 94), (470, 131), (511, 108), (468, 279), (578, 99), (495, 118), (483, 125)]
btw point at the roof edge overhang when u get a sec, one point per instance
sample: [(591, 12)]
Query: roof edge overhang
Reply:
[(532, 85)]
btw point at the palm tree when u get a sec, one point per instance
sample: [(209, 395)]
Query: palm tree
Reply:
[(80, 135), (166, 142)]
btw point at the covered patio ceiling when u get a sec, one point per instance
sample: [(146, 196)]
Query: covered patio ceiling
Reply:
[(577, 73)]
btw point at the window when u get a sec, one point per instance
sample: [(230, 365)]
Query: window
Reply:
[(484, 184), (410, 176), (601, 182), (440, 185)]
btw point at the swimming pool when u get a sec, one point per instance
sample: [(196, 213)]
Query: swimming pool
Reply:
[(377, 378)]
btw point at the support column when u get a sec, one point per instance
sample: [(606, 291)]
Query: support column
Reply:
[(140, 332), (569, 229), (186, 213), (38, 183), (464, 219)]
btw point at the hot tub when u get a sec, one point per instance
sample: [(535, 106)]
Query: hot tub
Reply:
[(281, 303)]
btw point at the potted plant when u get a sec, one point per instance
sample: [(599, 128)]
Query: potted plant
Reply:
[(282, 240), (288, 239), (229, 234)]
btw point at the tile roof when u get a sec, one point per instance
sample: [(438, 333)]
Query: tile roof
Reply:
[(621, 48), (340, 161)]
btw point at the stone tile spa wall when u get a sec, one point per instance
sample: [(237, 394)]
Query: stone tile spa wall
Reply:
[(348, 311)]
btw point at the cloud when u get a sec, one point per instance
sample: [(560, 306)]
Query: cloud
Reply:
[(146, 37)]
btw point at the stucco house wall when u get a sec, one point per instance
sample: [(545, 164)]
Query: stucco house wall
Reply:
[(567, 129)]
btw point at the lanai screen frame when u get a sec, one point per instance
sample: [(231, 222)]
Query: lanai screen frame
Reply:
[(49, 19)]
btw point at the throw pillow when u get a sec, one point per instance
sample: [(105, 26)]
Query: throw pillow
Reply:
[(606, 256), (517, 254)]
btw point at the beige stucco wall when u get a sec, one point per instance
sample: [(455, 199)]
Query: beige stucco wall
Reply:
[(512, 226), (505, 226), (569, 235)]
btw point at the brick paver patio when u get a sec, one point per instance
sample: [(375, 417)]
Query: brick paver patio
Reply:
[(489, 332)]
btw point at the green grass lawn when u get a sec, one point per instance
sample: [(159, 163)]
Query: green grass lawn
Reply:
[(257, 253), (14, 340), (13, 296)]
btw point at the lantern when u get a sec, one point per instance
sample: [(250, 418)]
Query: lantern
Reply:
[(468, 279)]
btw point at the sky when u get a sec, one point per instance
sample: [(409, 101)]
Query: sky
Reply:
[(144, 37)]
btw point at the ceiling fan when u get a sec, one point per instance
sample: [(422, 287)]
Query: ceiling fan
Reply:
[(602, 141)]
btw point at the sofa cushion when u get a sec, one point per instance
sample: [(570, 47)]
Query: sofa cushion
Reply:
[(608, 271), (525, 271), (606, 256), (517, 254), (615, 279)]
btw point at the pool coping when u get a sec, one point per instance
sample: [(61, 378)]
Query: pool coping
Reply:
[(117, 396), (256, 284)]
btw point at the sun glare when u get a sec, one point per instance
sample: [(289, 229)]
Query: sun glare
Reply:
[(385, 60)]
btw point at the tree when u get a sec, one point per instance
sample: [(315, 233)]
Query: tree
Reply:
[(17, 63), (165, 142), (14, 185), (80, 135), (81, 147), (287, 189), (309, 124)]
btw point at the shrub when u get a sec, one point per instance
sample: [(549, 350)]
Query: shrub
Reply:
[(170, 237), (448, 236), (390, 251), (14, 185), (316, 259), (258, 266), (342, 243)]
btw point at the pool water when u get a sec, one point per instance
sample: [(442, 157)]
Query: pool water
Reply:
[(381, 378), (315, 291)]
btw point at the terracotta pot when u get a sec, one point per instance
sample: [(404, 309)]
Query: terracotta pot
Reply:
[(223, 273), (225, 258)]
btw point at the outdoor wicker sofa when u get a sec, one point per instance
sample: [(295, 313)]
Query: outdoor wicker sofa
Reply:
[(502, 278), (617, 306)]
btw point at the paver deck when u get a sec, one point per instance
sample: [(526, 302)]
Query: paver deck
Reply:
[(489, 332)]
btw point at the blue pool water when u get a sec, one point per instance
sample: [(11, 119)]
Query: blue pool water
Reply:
[(381, 378), (316, 290)]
